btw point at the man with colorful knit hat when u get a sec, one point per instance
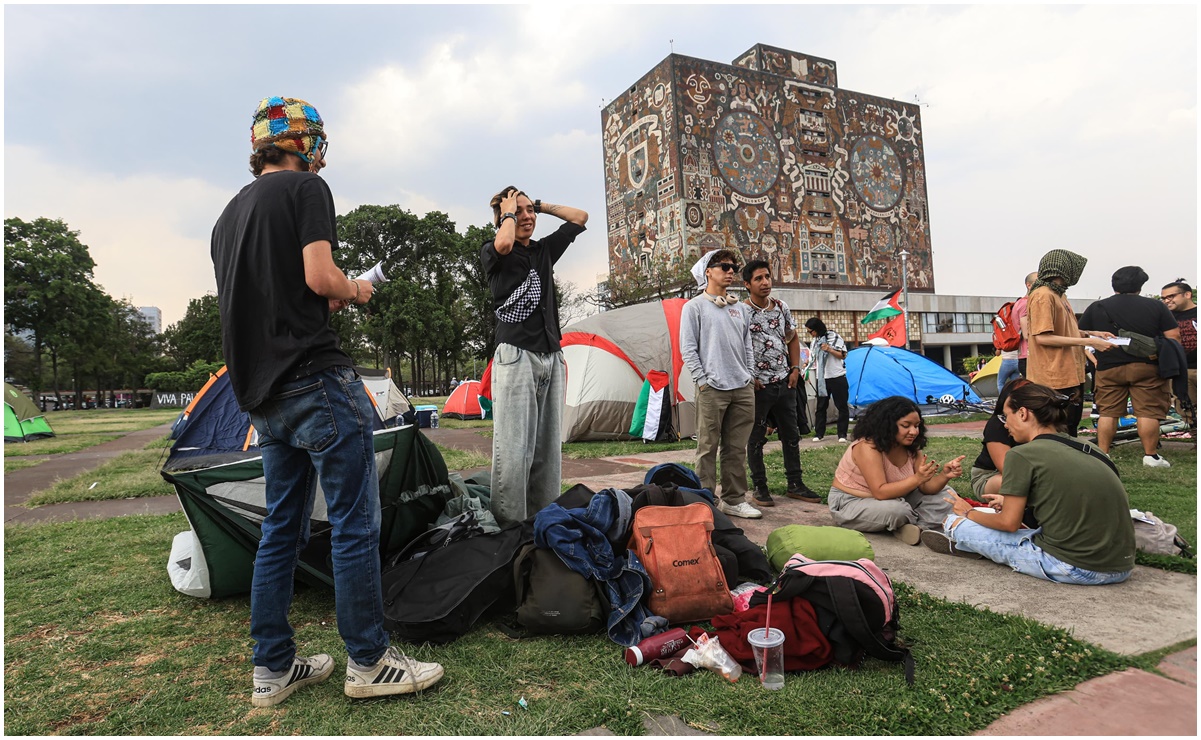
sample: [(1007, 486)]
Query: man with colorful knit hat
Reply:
[(1056, 342), (277, 283)]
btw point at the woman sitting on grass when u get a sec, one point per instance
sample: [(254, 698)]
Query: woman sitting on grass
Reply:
[(1086, 535), (884, 480)]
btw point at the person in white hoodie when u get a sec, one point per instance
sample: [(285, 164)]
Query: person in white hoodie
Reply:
[(715, 344)]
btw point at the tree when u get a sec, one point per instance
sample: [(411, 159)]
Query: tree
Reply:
[(663, 277), (197, 336), (48, 288)]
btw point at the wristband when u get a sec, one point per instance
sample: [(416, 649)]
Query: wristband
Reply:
[(357, 289), (794, 367), (538, 206), (501, 222)]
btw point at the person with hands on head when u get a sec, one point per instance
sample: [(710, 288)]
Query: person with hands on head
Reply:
[(777, 370), (885, 481), (272, 251), (1085, 535), (528, 373)]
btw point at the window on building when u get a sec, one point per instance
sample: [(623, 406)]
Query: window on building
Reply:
[(961, 322), (979, 322)]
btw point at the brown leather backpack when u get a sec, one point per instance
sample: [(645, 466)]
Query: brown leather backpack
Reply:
[(673, 543)]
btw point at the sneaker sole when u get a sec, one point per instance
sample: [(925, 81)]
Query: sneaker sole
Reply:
[(743, 516), (367, 691), (940, 543), (806, 499), (273, 699), (761, 502), (909, 534)]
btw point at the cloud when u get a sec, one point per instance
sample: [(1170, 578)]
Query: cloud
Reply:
[(148, 234)]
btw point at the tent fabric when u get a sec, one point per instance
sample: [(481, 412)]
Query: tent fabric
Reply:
[(23, 420), (609, 356), (875, 372), (213, 430), (390, 402), (464, 402), (984, 382), (225, 506)]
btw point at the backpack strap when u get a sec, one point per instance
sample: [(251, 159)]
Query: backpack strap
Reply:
[(850, 613), (1084, 447)]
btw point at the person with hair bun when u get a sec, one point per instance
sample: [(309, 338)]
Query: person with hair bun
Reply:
[(1085, 535), (884, 480)]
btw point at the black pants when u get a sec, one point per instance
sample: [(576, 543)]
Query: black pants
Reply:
[(1076, 408), (778, 400), (838, 389)]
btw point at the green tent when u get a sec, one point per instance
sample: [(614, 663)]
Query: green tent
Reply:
[(23, 420)]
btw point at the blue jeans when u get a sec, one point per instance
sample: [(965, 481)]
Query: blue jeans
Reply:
[(1018, 551), (318, 427), (778, 400), (1009, 370), (528, 389)]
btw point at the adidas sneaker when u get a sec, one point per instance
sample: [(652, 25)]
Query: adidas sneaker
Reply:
[(393, 674), (271, 691)]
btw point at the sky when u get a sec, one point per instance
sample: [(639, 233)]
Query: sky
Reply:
[(1069, 126)]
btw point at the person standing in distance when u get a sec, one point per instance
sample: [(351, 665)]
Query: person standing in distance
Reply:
[(715, 344), (528, 374), (1056, 341), (272, 251), (829, 351), (1178, 297), (776, 371)]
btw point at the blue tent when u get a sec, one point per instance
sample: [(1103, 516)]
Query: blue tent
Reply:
[(879, 372)]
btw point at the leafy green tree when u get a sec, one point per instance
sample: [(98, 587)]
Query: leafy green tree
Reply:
[(197, 336), (48, 289)]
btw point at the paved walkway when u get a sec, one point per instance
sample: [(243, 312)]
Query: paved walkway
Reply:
[(1152, 610)]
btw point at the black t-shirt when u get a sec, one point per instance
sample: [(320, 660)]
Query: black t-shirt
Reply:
[(523, 289), (1130, 312), (994, 431), (273, 326), (1187, 321)]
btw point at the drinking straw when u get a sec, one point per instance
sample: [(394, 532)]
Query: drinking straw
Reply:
[(766, 634)]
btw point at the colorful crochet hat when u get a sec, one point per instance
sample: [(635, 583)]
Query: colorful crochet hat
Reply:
[(290, 124)]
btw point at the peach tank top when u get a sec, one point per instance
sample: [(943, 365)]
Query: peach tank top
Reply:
[(849, 479)]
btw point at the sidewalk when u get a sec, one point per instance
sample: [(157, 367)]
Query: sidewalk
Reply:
[(1153, 610)]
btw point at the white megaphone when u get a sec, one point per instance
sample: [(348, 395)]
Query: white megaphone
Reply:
[(374, 275)]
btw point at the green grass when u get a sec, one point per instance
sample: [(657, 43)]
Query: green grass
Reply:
[(17, 464), (78, 430), (98, 643), (464, 423), (590, 450), (131, 475), (463, 460), (959, 418)]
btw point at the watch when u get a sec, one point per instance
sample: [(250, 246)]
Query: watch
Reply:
[(503, 217)]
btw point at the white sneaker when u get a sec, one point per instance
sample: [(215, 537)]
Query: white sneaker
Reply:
[(1155, 461), (271, 691), (393, 674), (817, 439), (842, 439), (744, 510)]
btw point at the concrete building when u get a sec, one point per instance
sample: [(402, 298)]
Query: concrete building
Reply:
[(153, 316), (770, 157)]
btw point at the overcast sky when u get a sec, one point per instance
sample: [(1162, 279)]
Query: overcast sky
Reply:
[(1044, 127)]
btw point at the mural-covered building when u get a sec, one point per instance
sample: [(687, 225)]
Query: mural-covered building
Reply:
[(769, 156)]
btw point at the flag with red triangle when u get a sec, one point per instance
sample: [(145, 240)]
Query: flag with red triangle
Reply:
[(893, 332), (889, 305)]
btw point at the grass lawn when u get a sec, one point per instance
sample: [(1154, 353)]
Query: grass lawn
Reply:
[(18, 463), (78, 430), (463, 460), (131, 475), (98, 643)]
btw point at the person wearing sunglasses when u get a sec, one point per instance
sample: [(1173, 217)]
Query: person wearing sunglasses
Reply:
[(1084, 536), (1178, 297), (277, 282), (715, 344)]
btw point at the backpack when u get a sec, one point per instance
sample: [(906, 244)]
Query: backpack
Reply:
[(1141, 345), (1006, 334), (552, 599), (1154, 535), (856, 608), (675, 547), (438, 596)]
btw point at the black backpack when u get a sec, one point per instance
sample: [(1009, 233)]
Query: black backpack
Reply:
[(438, 596), (553, 599), (855, 617)]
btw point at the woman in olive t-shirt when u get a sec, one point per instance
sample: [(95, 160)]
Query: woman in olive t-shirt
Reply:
[(1085, 536)]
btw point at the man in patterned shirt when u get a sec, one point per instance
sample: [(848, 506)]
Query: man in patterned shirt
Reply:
[(528, 377), (777, 370)]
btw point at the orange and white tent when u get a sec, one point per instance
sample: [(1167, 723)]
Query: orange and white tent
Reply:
[(464, 402)]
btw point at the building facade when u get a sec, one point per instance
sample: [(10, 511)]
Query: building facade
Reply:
[(770, 157), (153, 316)]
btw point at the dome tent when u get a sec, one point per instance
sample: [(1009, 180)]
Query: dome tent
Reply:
[(464, 402), (23, 420), (879, 372)]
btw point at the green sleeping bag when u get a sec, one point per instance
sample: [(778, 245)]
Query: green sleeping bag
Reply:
[(816, 543)]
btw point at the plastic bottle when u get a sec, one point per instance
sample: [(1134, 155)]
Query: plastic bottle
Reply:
[(433, 419), (657, 646)]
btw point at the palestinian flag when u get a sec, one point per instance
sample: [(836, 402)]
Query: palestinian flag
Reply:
[(652, 414), (889, 305)]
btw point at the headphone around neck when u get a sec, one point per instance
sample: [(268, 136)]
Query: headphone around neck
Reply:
[(729, 299)]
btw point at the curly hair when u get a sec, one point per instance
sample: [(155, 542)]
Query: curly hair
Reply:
[(271, 155), (878, 423)]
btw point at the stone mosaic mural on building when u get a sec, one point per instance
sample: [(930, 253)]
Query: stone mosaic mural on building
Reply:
[(768, 156)]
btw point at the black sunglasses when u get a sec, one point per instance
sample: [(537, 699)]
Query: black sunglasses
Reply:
[(727, 266)]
